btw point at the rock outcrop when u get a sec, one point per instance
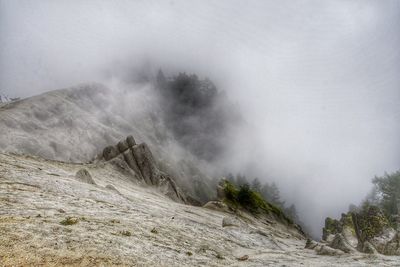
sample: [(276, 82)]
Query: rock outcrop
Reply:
[(84, 176), (137, 161), (368, 231)]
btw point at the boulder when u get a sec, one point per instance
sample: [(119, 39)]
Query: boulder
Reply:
[(84, 176), (146, 163), (216, 205), (311, 244), (332, 227), (110, 152), (168, 187), (325, 250), (112, 188), (130, 141), (369, 248), (393, 246), (386, 241), (122, 146), (339, 242), (228, 221), (131, 161)]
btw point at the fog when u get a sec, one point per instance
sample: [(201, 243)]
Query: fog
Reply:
[(317, 81)]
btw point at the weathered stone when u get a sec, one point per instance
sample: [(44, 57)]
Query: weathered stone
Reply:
[(131, 161), (168, 187), (216, 205), (122, 146), (386, 238), (339, 242), (325, 250), (121, 165), (369, 248), (110, 152), (311, 244), (112, 188), (130, 141), (146, 163), (137, 161), (84, 176), (393, 246), (228, 221), (332, 227)]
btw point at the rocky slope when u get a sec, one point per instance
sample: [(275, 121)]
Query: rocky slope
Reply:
[(52, 214), (75, 124), (131, 202)]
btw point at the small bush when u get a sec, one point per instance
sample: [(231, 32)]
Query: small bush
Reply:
[(251, 201), (126, 233), (69, 221)]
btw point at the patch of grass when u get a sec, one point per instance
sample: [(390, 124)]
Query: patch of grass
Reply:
[(219, 256), (251, 201), (154, 231), (189, 253), (69, 221), (126, 233)]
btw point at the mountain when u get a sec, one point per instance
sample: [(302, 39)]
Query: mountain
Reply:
[(103, 175), (75, 124)]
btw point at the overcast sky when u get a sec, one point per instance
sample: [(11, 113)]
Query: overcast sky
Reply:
[(319, 80)]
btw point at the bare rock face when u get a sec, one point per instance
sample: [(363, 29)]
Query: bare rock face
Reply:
[(110, 152), (112, 188), (367, 231), (311, 244), (131, 161), (84, 176), (228, 221), (326, 250), (146, 163), (122, 146), (220, 189), (130, 141), (339, 242), (216, 205), (137, 161), (369, 248)]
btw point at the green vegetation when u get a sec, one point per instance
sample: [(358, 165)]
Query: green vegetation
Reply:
[(372, 222), (385, 195), (69, 221), (126, 233), (252, 201)]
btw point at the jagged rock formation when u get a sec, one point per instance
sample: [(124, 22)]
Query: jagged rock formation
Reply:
[(137, 161), (368, 231)]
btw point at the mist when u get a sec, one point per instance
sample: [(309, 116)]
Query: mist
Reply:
[(316, 81)]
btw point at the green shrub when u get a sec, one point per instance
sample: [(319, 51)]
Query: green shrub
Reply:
[(69, 221), (126, 233), (251, 201)]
